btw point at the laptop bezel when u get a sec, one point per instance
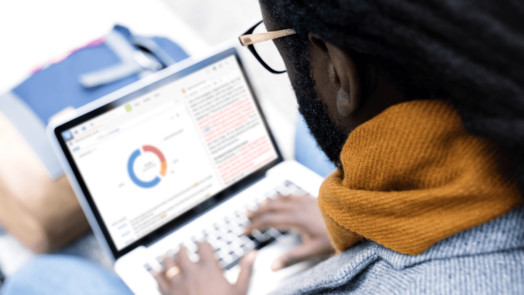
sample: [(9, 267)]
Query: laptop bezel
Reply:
[(112, 101)]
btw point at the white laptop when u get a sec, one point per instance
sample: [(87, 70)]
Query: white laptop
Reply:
[(175, 158)]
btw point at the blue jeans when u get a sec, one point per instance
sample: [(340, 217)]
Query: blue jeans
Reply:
[(60, 274)]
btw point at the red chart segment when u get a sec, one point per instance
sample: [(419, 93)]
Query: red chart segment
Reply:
[(158, 153)]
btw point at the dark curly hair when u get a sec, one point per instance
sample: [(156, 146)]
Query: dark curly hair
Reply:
[(470, 52)]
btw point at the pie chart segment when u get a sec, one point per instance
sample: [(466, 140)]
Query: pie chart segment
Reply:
[(131, 166)]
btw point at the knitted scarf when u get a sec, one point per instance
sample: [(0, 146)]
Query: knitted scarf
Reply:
[(412, 177)]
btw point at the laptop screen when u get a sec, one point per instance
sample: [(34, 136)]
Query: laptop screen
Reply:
[(152, 156)]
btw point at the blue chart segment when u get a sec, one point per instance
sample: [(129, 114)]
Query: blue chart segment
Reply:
[(131, 162)]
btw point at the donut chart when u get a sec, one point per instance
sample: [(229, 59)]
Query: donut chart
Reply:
[(131, 163)]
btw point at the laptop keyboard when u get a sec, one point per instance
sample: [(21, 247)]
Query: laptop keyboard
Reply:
[(227, 235)]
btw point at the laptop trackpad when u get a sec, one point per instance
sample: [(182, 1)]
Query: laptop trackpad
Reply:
[(263, 279)]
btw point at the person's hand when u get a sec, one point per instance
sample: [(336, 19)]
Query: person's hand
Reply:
[(294, 213), (203, 277)]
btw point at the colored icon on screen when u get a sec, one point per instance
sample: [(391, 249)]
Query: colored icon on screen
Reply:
[(67, 135), (131, 166)]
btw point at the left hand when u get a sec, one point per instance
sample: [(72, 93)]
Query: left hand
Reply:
[(294, 213), (204, 276)]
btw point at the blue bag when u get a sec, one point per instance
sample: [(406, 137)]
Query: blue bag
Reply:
[(88, 73)]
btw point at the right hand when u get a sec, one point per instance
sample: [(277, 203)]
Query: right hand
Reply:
[(298, 214)]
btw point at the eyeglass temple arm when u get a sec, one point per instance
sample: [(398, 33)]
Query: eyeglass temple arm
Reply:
[(251, 39)]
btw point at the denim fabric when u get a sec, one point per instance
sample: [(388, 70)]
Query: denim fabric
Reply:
[(56, 275)]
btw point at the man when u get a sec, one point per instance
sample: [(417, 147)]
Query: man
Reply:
[(418, 204)]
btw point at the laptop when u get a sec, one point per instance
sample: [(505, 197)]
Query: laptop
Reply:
[(176, 158)]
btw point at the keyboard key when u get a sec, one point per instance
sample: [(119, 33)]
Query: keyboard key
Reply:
[(238, 251), (193, 256), (228, 259), (250, 207), (260, 236), (160, 260), (148, 268), (271, 195), (273, 233)]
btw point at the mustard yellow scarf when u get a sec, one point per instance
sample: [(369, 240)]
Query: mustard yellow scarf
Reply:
[(413, 176)]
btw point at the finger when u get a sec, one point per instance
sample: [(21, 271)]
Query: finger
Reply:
[(163, 282), (287, 198), (246, 269), (278, 221), (207, 254), (270, 206), (171, 270), (185, 264), (295, 255), (169, 262)]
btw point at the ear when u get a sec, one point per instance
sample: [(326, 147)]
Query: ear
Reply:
[(342, 74)]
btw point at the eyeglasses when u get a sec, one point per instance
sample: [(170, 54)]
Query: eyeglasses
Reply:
[(265, 52)]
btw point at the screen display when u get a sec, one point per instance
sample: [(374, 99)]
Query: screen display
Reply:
[(158, 155)]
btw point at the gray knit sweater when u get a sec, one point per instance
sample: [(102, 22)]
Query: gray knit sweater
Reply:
[(488, 259)]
